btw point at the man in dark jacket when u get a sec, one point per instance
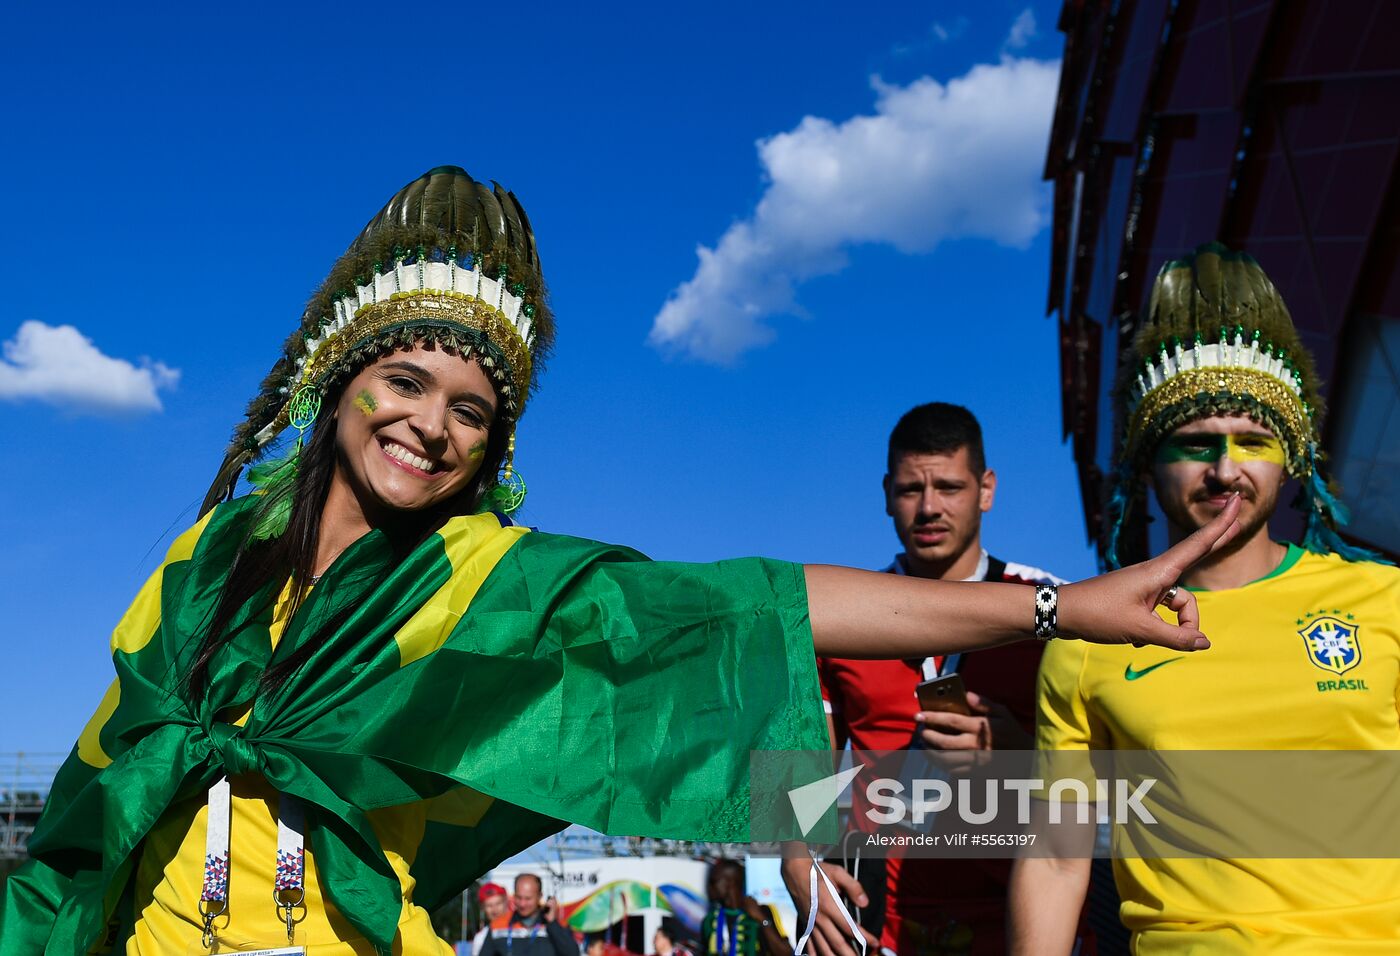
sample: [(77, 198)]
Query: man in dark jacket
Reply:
[(530, 930)]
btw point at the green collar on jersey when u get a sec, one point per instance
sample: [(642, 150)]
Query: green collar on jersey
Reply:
[(1290, 558)]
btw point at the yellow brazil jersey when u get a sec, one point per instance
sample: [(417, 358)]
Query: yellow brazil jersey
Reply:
[(1307, 658), (170, 874)]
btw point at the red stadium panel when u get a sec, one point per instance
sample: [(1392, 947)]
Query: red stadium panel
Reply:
[(1270, 127)]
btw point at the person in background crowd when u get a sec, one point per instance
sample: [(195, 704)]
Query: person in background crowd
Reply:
[(937, 488), (532, 929), (600, 945), (494, 904), (1222, 400), (665, 943), (736, 924)]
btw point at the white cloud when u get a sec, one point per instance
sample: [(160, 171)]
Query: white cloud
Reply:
[(1022, 30), (934, 162), (938, 33), (952, 30), (59, 364)]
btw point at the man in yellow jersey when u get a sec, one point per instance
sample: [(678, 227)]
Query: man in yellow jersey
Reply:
[(1222, 400)]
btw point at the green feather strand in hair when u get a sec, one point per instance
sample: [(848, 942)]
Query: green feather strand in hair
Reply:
[(276, 480), (1326, 515)]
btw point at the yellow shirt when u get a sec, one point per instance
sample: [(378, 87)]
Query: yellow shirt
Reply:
[(1259, 687), (170, 876)]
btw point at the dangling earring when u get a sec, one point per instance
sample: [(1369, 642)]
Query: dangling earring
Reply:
[(306, 405), (509, 493), (276, 478)]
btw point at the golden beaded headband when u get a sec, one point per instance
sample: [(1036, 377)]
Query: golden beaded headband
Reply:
[(1191, 393), (422, 294)]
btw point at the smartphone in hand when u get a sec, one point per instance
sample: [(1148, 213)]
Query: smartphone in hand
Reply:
[(944, 694)]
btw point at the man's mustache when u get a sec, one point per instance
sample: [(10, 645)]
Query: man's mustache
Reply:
[(1207, 493)]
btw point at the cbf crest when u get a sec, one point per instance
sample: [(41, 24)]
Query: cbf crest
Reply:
[(1332, 641)]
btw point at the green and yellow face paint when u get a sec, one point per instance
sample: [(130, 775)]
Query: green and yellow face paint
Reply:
[(1210, 448), (366, 402), (477, 451)]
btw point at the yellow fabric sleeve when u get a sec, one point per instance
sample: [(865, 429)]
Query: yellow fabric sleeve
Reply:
[(1062, 715)]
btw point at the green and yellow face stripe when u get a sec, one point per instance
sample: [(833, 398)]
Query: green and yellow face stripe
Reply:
[(1210, 448)]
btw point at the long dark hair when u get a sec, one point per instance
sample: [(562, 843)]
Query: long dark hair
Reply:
[(292, 554)]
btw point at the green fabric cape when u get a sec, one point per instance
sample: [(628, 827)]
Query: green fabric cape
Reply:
[(571, 681)]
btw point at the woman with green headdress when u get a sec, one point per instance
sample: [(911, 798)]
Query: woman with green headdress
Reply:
[(346, 695)]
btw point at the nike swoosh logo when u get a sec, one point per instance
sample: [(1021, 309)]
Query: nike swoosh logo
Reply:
[(1130, 674)]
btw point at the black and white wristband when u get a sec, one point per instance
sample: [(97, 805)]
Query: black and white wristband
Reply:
[(1047, 611)]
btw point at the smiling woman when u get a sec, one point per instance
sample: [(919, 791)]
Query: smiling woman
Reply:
[(419, 440), (363, 685)]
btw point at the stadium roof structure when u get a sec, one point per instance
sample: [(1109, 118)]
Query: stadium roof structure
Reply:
[(1273, 128), (25, 779)]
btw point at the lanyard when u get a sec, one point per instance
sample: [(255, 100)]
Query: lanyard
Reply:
[(289, 883), (722, 929), (940, 667), (510, 934), (835, 894)]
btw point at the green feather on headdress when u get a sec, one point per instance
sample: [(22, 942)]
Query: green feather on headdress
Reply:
[(1211, 294), (275, 479)]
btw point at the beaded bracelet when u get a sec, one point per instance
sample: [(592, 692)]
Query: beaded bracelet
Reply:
[(1047, 605)]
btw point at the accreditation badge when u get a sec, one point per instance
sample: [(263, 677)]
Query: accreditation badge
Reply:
[(242, 947)]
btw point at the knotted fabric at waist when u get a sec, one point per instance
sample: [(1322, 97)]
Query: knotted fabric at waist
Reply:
[(239, 753)]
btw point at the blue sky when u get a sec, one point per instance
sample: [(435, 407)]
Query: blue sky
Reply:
[(865, 185)]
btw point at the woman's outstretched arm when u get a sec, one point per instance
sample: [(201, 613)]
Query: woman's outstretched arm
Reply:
[(874, 615)]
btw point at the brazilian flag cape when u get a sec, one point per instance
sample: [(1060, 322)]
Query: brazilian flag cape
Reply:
[(522, 680)]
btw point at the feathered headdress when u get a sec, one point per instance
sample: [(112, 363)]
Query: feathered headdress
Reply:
[(447, 260), (1217, 339)]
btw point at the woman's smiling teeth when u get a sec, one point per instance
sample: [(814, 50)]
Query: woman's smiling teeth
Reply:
[(400, 453)]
